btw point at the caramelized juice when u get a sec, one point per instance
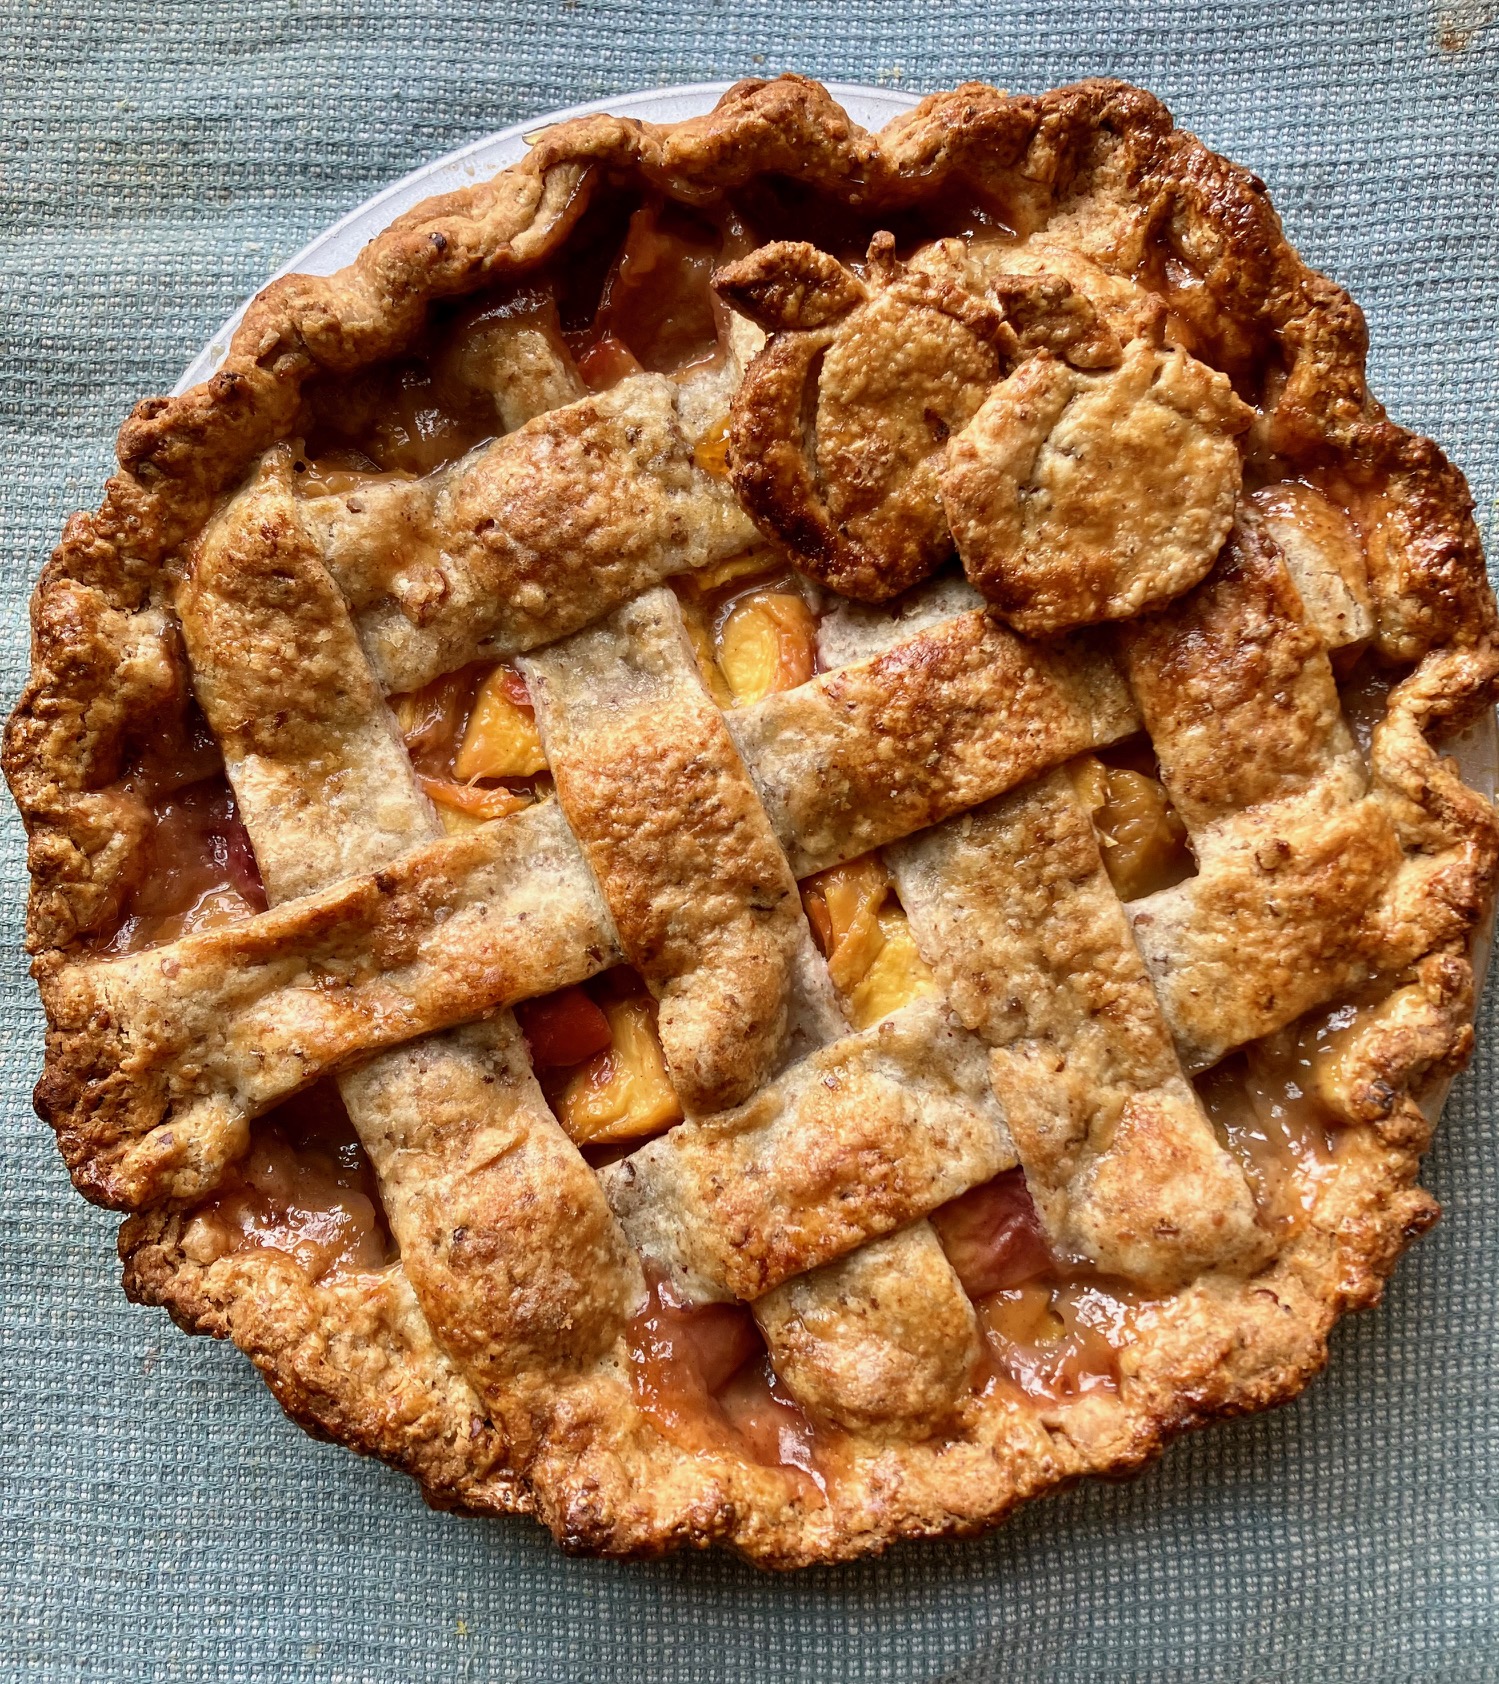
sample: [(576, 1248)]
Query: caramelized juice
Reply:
[(1051, 1329), (200, 870), (702, 1376), (306, 1188)]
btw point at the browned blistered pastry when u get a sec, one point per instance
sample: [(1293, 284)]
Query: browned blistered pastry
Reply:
[(748, 843)]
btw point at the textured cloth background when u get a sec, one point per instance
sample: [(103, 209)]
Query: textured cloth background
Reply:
[(161, 1519)]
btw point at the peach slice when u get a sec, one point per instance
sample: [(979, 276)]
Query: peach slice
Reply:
[(897, 976), (624, 1092), (766, 644), (1143, 840), (463, 807), (866, 937), (501, 740)]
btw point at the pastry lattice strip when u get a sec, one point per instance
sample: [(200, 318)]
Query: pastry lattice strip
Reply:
[(344, 801), (527, 538), (221, 1025), (1308, 885), (1011, 905), (455, 1126)]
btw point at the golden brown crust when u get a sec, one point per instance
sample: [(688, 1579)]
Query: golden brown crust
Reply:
[(944, 719), (158, 1059), (1323, 555), (1012, 908), (456, 1129), (326, 1349), (889, 369), (839, 438), (861, 1137), (1236, 690), (461, 1138), (884, 1339), (1284, 914), (321, 777), (1159, 237), (527, 538), (1307, 886), (1078, 496)]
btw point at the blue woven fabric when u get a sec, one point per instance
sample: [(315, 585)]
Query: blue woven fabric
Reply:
[(161, 1520)]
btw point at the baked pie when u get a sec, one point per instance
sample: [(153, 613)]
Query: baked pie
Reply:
[(748, 842)]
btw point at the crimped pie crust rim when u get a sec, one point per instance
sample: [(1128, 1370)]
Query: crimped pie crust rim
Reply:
[(377, 213)]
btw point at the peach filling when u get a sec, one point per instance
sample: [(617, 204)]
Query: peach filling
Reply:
[(598, 1059), (306, 1188), (1276, 1104), (200, 872), (766, 643), (473, 744), (408, 418), (866, 938), (1364, 692), (397, 421), (500, 739), (703, 1378), (1143, 841), (1053, 1331), (993, 1237), (1059, 1339), (751, 627), (656, 310), (339, 471), (711, 453)]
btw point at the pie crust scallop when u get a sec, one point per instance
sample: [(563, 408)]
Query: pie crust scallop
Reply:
[(488, 1399)]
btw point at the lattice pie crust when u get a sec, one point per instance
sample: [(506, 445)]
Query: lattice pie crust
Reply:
[(913, 662)]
